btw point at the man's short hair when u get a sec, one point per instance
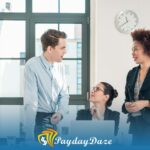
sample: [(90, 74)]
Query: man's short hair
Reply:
[(51, 38)]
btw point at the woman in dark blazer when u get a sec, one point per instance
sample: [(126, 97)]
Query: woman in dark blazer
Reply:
[(137, 90), (101, 96)]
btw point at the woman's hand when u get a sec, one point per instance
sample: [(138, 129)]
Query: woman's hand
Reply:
[(136, 106)]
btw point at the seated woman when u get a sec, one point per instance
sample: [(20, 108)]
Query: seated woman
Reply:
[(101, 96)]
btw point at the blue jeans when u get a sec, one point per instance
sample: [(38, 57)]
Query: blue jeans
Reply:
[(42, 122)]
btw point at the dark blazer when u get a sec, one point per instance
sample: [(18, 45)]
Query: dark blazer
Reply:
[(144, 93), (85, 114)]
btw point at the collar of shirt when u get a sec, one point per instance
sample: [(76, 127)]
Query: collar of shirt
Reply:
[(47, 65)]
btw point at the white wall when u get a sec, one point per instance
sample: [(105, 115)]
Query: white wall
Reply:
[(111, 50)]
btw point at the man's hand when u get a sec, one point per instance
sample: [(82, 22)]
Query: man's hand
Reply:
[(56, 118), (136, 106)]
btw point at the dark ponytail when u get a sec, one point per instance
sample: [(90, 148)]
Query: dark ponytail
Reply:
[(115, 93), (109, 90)]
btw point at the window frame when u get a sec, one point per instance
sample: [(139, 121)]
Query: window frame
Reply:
[(31, 20)]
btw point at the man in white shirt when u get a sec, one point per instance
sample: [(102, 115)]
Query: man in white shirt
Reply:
[(46, 93)]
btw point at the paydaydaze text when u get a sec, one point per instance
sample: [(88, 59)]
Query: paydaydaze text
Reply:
[(84, 142)]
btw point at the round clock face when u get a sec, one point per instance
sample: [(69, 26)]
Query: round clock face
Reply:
[(126, 21)]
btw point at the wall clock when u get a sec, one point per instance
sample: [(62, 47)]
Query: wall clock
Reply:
[(126, 21)]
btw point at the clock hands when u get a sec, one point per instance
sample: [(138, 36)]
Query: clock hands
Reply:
[(124, 22), (126, 19)]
